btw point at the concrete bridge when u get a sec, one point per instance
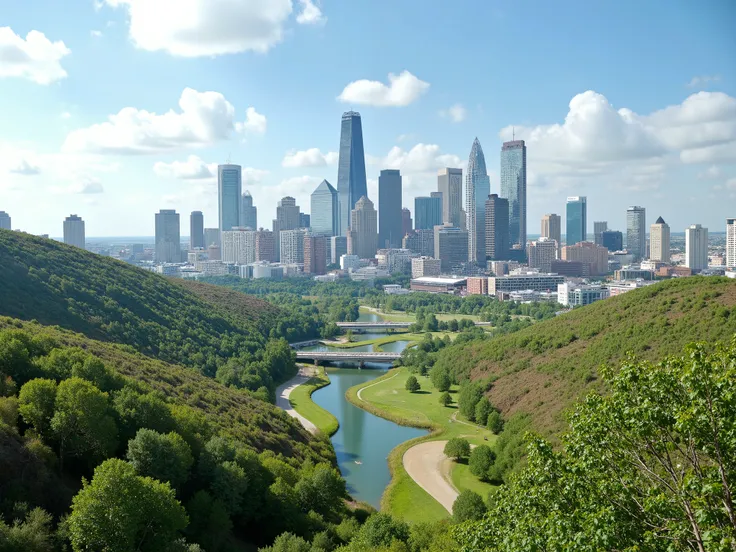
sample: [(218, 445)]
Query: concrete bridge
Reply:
[(346, 356), (373, 325)]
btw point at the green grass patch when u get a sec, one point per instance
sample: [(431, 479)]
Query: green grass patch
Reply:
[(301, 401), (462, 479), (401, 316)]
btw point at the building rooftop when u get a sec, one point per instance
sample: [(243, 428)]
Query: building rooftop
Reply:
[(436, 280)]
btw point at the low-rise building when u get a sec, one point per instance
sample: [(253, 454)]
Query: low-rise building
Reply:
[(633, 273), (425, 266), (674, 271), (477, 286), (438, 285), (501, 268), (573, 295), (534, 281), (619, 288), (350, 262), (395, 289), (528, 296)]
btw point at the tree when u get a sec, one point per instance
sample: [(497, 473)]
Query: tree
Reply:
[(440, 378), (470, 394), (210, 523), (165, 457), (457, 448), (495, 422), (33, 534), (135, 411), (349, 336), (445, 399), (381, 530), (430, 323), (412, 385), (481, 460), (120, 511), (321, 489), (9, 411), (288, 542), (468, 506), (36, 404), (482, 410)]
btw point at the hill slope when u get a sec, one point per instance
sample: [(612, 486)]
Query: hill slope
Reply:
[(543, 369)]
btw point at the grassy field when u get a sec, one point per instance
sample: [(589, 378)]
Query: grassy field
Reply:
[(388, 338), (301, 400), (390, 400), (401, 316)]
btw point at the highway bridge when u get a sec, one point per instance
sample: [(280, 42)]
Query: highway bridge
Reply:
[(373, 325), (346, 356)]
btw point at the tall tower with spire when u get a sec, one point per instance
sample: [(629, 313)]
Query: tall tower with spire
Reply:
[(351, 179), (477, 190)]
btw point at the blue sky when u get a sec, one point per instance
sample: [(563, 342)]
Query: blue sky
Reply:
[(122, 107)]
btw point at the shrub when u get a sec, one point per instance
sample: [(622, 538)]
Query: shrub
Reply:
[(412, 385), (457, 448)]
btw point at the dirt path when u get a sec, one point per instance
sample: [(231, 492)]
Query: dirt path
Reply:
[(425, 464), (454, 419), (372, 384), (283, 392)]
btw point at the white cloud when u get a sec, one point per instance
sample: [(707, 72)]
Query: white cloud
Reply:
[(310, 14), (82, 186), (191, 169), (402, 90), (253, 176), (95, 34), (703, 80), (35, 58), (193, 28), (710, 173), (204, 119), (25, 167), (456, 113), (422, 158), (309, 158), (722, 153)]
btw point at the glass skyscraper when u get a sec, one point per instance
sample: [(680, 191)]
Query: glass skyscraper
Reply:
[(513, 188), (248, 212), (389, 209), (229, 185), (636, 232), (351, 181), (324, 205), (427, 212), (196, 230), (577, 220), (477, 190)]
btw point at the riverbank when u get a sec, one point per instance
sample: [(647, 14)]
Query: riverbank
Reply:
[(301, 401), (284, 392)]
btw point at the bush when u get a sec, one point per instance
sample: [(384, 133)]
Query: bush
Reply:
[(440, 378), (470, 394), (495, 422), (445, 399), (481, 460), (483, 409), (468, 506), (412, 385), (457, 448)]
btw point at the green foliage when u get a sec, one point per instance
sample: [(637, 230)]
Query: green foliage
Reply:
[(470, 394), (9, 411), (446, 399), (509, 447), (36, 404), (210, 524), (468, 506), (321, 489), (457, 448), (165, 457), (288, 542), (481, 460), (440, 377), (382, 530), (483, 409), (33, 534), (412, 385)]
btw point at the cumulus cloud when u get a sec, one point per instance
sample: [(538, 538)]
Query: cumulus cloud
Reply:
[(204, 119), (703, 80), (35, 58), (24, 167), (85, 186), (402, 90), (456, 113), (191, 169), (310, 14), (312, 157), (193, 28), (95, 34), (422, 158)]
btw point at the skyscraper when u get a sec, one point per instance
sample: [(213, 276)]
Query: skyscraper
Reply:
[(696, 247), (477, 190), (513, 188), (238, 246), (305, 220), (552, 228), (168, 240), (542, 253), (315, 254), (577, 220), (265, 246), (229, 184), (324, 206), (248, 212), (659, 241), (4, 221), (389, 208), (613, 240), (450, 246), (212, 236), (450, 185), (731, 243), (74, 231), (598, 228), (292, 246), (351, 181), (497, 228), (364, 226), (636, 232), (287, 218), (427, 212), (338, 248), (407, 225), (196, 230)]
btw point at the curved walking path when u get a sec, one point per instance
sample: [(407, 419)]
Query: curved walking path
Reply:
[(425, 464), (372, 384), (282, 397)]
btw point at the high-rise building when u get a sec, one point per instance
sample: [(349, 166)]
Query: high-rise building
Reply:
[(74, 231), (731, 243), (427, 212), (248, 212), (287, 218), (425, 266), (212, 236), (351, 181), (420, 241), (265, 246), (450, 246), (315, 254), (364, 223), (324, 205), (292, 246), (229, 186), (496, 229), (389, 208), (168, 240), (636, 232), (477, 190), (577, 220), (5, 221), (196, 230), (407, 225), (595, 256), (542, 253), (659, 241), (613, 240), (552, 228), (450, 185), (305, 220), (696, 247), (598, 228), (238, 246), (338, 248), (513, 188)]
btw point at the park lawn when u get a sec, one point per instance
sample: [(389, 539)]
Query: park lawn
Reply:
[(401, 316), (462, 479), (301, 400), (389, 338)]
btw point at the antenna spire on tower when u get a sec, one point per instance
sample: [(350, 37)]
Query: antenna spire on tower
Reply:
[(513, 133)]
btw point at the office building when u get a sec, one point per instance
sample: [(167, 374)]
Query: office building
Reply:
[(168, 241), (696, 247), (351, 180), (598, 228), (427, 212), (636, 232), (394, 260), (450, 246), (214, 251), (438, 285), (731, 243), (595, 256), (407, 224), (229, 186), (477, 190), (552, 228), (420, 242), (513, 188), (659, 241), (338, 248), (74, 231), (238, 246), (292, 246), (265, 246), (305, 220), (571, 269), (315, 254), (534, 281), (578, 295), (196, 230), (542, 253), (577, 220), (212, 236), (497, 228), (613, 240), (425, 266), (389, 209), (324, 206), (5, 221), (477, 286), (450, 185), (363, 229), (248, 212), (350, 262), (287, 218)]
